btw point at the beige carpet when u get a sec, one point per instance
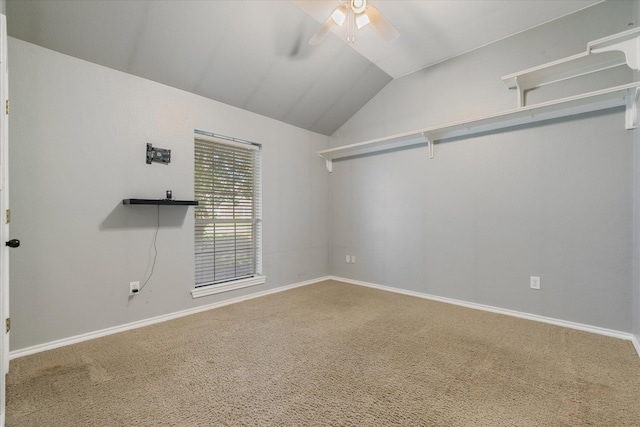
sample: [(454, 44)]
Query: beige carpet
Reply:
[(332, 354)]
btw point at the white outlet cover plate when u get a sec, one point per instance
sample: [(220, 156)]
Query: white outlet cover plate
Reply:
[(535, 282), (132, 286)]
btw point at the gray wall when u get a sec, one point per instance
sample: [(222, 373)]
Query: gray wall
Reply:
[(78, 135), (553, 200)]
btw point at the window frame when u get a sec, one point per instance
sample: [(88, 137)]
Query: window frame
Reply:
[(256, 277)]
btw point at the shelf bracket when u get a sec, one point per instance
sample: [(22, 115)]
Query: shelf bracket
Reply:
[(329, 164), (631, 113), (630, 48), (430, 142), (520, 93)]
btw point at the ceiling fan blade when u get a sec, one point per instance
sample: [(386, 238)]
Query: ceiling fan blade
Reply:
[(381, 25), (322, 32)]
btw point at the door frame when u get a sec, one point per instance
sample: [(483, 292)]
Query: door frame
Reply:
[(4, 216)]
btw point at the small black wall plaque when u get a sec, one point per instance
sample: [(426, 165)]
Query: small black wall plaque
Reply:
[(159, 155)]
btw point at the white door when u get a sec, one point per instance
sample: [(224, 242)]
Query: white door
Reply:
[(4, 216)]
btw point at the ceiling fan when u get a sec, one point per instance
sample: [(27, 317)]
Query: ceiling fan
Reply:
[(357, 14)]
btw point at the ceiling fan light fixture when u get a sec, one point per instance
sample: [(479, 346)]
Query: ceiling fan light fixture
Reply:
[(357, 14), (339, 15), (362, 20), (358, 6)]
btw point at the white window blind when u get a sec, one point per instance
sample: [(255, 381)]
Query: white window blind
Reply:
[(228, 217)]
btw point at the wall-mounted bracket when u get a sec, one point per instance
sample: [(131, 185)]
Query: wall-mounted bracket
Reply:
[(519, 92), (631, 114), (627, 42), (430, 143), (329, 164), (159, 155)]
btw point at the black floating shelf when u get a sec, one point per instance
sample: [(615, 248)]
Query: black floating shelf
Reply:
[(164, 202)]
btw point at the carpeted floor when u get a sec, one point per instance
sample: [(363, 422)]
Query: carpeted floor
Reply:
[(332, 354)]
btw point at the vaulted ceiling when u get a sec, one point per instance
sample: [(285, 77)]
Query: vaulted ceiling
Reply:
[(253, 54)]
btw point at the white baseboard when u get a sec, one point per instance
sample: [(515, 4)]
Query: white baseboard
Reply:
[(163, 318), (158, 319), (498, 310), (636, 343)]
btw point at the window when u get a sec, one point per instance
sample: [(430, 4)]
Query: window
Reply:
[(228, 217)]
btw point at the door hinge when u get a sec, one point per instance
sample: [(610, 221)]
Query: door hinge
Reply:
[(6, 108), (8, 324), (8, 216)]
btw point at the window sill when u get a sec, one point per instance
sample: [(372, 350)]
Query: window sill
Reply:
[(203, 291)]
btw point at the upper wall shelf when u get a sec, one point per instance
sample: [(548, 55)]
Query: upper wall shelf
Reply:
[(163, 202), (601, 54), (625, 95)]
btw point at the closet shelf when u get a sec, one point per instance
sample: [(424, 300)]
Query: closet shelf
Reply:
[(608, 52), (163, 202), (602, 54), (624, 95)]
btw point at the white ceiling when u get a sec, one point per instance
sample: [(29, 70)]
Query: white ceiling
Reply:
[(253, 54)]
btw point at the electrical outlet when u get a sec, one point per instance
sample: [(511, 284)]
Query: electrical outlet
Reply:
[(134, 288), (353, 259), (535, 282)]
